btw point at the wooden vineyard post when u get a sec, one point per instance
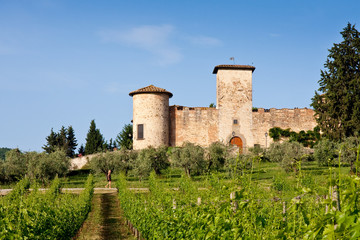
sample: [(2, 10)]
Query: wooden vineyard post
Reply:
[(234, 204), (336, 198), (326, 206), (284, 211), (174, 204), (198, 201)]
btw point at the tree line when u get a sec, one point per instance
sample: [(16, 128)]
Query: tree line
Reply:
[(218, 157), (65, 140)]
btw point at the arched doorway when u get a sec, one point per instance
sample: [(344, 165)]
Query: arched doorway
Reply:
[(238, 142)]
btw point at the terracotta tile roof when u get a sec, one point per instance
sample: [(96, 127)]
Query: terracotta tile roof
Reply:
[(240, 67), (150, 89)]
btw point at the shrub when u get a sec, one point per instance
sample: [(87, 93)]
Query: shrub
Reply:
[(236, 166), (325, 153), (288, 153), (217, 152)]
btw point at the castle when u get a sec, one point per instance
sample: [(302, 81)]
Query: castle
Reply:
[(233, 120)]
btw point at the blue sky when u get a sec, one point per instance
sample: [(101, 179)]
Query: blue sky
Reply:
[(65, 63)]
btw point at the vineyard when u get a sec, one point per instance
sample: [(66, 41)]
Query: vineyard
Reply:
[(241, 208), (250, 197), (34, 214)]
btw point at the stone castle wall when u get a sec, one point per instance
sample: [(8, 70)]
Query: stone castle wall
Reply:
[(198, 125), (296, 119)]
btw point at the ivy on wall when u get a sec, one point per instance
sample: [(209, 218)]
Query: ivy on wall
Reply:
[(308, 138)]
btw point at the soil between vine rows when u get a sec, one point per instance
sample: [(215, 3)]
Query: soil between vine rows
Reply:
[(105, 220)]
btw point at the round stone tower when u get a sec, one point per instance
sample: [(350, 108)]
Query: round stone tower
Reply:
[(150, 117)]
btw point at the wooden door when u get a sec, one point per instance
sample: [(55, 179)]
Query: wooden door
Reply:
[(238, 142)]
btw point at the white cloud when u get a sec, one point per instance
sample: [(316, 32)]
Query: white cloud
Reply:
[(159, 40), (154, 39), (204, 40)]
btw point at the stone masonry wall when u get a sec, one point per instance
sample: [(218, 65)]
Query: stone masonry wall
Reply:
[(151, 110), (198, 125), (295, 119), (234, 101)]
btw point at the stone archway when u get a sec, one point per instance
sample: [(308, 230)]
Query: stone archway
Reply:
[(237, 142)]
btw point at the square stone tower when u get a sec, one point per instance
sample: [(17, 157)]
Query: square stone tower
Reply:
[(234, 102)]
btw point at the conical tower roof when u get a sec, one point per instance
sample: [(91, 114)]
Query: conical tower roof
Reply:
[(150, 89)]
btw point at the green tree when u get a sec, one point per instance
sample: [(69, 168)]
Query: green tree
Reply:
[(190, 157), (52, 141), (151, 159), (3, 152), (94, 140), (15, 165), (217, 153), (71, 142), (82, 150), (337, 104), (46, 166), (61, 139), (125, 137), (64, 140)]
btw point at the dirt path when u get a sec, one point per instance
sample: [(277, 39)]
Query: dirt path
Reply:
[(104, 220)]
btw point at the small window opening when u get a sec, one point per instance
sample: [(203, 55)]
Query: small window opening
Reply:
[(235, 121), (140, 131)]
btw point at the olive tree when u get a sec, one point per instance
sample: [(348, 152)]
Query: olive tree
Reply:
[(190, 157)]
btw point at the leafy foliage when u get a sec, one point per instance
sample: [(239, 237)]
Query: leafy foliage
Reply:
[(35, 215), (308, 138), (337, 104), (251, 212)]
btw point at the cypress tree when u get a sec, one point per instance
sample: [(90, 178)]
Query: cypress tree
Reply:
[(52, 141), (61, 139), (337, 104), (94, 140), (82, 150), (71, 142)]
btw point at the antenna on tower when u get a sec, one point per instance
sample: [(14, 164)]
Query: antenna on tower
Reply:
[(232, 59)]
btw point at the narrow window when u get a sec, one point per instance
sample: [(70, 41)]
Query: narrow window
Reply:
[(140, 131), (235, 121)]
